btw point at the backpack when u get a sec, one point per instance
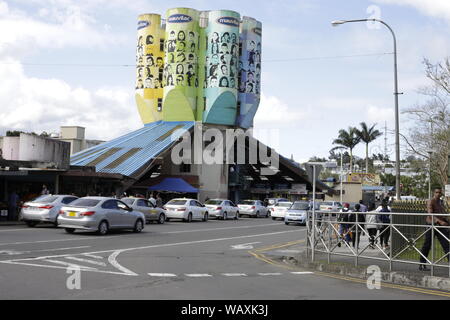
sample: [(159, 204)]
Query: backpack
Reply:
[(384, 218)]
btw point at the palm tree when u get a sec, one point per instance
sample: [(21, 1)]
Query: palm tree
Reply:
[(347, 139), (367, 136)]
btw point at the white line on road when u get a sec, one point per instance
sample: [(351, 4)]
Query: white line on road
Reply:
[(162, 275), (244, 246), (270, 274), (197, 275), (234, 274), (92, 256), (56, 240), (98, 263), (60, 249), (71, 265), (113, 261), (305, 272), (227, 228)]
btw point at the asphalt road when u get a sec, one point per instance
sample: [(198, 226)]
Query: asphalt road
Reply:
[(177, 260)]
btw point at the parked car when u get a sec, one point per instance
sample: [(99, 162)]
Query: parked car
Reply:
[(297, 213), (186, 209), (279, 210), (100, 214), (252, 208), (271, 202), (44, 209), (333, 206), (150, 211), (222, 209)]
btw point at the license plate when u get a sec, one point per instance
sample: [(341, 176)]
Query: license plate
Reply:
[(72, 214)]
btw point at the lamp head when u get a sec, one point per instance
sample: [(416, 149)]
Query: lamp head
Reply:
[(336, 23)]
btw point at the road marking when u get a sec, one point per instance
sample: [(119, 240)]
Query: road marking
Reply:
[(162, 275), (12, 252), (71, 265), (56, 240), (271, 274), (244, 246), (197, 275), (59, 249), (98, 263), (227, 228), (234, 274), (112, 260), (92, 256), (302, 272)]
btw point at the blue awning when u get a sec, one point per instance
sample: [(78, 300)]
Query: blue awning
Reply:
[(174, 185)]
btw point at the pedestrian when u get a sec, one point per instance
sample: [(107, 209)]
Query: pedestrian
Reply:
[(371, 225), (44, 190), (343, 227), (363, 206), (435, 205), (152, 199), (159, 203), (13, 200), (113, 195), (384, 221), (358, 219)]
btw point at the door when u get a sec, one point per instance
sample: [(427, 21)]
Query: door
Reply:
[(127, 219), (143, 206), (112, 213)]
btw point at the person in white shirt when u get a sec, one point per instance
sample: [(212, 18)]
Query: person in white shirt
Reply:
[(152, 199)]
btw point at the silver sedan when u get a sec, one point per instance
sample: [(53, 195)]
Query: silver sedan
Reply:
[(100, 214), (151, 212), (44, 209)]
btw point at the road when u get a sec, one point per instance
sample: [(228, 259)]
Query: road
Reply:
[(176, 260)]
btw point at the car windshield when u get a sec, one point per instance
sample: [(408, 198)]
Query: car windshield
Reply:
[(213, 202), (128, 201), (327, 203), (248, 202), (283, 204), (176, 202), (300, 206), (46, 199), (89, 203)]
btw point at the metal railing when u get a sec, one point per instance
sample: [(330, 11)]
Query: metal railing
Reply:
[(406, 232)]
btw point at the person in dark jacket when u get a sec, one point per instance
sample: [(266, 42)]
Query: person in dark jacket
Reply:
[(356, 227)]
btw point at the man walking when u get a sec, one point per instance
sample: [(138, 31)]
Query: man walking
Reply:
[(435, 205)]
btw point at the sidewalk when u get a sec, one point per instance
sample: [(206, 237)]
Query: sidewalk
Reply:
[(402, 273)]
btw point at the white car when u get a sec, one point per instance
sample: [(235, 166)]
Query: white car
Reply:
[(279, 210), (271, 202), (297, 213), (44, 209), (151, 212), (222, 209), (252, 208), (332, 206), (185, 209)]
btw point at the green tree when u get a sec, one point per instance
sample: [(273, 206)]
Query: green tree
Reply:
[(347, 139), (367, 135)]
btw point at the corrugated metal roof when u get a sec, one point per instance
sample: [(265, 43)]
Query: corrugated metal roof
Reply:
[(127, 154)]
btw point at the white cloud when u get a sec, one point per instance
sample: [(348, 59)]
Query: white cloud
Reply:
[(434, 8), (32, 104), (275, 113), (380, 114)]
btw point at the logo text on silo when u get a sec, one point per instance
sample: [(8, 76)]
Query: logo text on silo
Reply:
[(143, 24), (179, 18), (229, 21)]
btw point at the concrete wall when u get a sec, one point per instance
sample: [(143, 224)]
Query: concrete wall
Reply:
[(10, 148), (72, 132), (36, 148)]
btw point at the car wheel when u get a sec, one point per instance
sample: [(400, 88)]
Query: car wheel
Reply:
[(205, 217), (189, 218), (286, 223), (225, 216), (103, 228), (70, 230), (138, 226), (31, 224), (257, 214), (236, 216), (273, 218), (161, 218), (167, 219)]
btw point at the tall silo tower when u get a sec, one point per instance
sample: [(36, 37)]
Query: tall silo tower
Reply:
[(250, 71), (150, 67)]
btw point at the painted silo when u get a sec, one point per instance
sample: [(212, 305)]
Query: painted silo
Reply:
[(220, 67), (180, 77), (250, 71), (150, 67)]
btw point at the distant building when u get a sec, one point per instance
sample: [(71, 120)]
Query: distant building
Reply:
[(75, 135)]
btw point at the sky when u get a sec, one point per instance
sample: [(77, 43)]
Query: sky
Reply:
[(71, 62)]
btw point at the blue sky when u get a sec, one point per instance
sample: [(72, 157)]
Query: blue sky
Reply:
[(70, 62)]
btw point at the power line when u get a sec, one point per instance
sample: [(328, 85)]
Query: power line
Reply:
[(133, 65)]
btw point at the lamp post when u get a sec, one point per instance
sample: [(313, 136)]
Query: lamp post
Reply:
[(429, 173), (396, 93)]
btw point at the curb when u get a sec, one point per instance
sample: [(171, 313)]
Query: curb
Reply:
[(395, 277)]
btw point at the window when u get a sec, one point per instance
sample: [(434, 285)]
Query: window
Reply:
[(88, 203), (161, 45), (68, 200), (159, 105), (193, 203), (142, 203), (110, 204)]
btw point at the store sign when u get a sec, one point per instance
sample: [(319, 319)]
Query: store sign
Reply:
[(366, 179), (179, 18)]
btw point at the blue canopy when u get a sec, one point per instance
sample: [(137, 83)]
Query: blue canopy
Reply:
[(174, 185)]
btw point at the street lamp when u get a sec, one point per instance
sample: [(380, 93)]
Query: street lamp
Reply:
[(396, 93)]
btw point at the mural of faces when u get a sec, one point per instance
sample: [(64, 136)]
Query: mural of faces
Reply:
[(250, 67)]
